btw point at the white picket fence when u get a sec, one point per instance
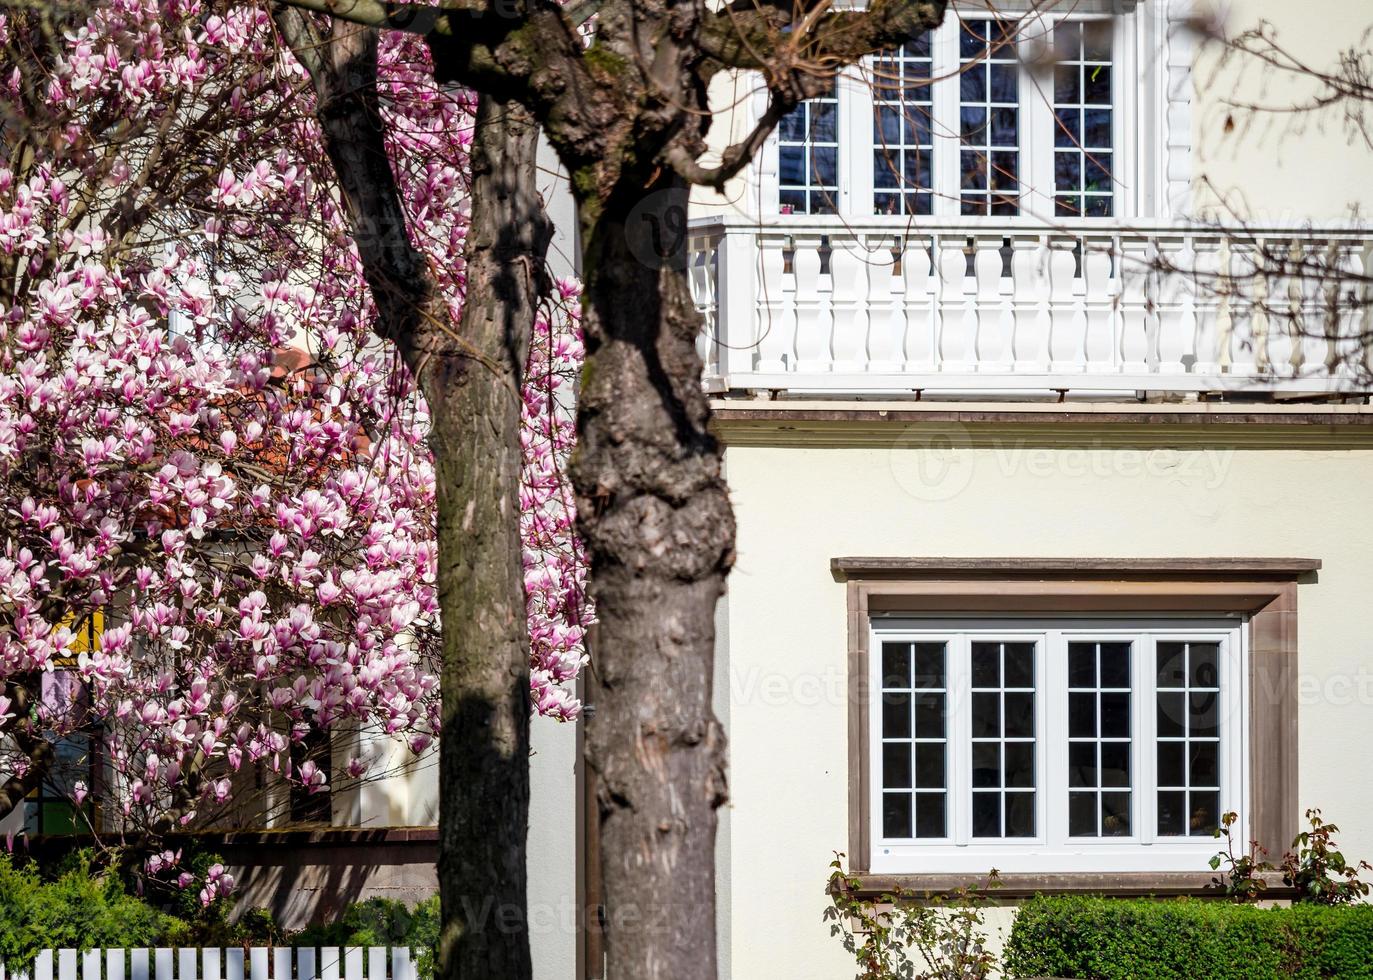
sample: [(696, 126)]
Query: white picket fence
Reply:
[(256, 963)]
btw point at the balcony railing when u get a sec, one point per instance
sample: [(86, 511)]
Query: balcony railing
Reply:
[(1009, 306)]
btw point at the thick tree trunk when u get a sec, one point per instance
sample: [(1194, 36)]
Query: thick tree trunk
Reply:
[(471, 376), (655, 515), (484, 748)]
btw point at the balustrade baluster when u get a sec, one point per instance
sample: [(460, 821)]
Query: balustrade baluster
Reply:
[(1133, 272), (886, 333), (1176, 320), (953, 269), (1028, 287), (1066, 327), (1206, 292), (921, 281), (813, 310), (994, 325), (849, 268), (776, 337), (1099, 305)]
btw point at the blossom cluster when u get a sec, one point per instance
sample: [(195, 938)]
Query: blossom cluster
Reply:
[(203, 446)]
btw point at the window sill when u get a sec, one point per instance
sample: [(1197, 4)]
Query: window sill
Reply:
[(1160, 884)]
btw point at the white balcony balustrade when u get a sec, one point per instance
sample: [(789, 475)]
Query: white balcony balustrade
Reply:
[(1007, 306)]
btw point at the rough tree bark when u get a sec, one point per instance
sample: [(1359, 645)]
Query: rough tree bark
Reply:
[(628, 114), (657, 524), (471, 376)]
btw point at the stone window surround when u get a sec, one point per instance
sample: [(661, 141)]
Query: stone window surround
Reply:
[(1263, 589)]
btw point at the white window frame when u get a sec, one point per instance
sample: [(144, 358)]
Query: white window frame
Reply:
[(1138, 102), (1051, 850)]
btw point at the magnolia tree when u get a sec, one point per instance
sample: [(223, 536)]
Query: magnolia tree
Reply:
[(203, 443)]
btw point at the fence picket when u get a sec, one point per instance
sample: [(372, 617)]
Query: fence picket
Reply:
[(114, 964), (257, 963), (329, 959), (352, 963), (214, 963), (305, 963)]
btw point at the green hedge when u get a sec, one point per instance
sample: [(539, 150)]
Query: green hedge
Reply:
[(1116, 939), (77, 909)]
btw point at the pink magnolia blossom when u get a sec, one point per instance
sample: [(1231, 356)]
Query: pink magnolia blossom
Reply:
[(201, 438)]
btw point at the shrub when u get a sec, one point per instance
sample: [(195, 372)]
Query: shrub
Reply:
[(1115, 939), (383, 922), (80, 908), (903, 936)]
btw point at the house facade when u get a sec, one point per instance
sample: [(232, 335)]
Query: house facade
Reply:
[(1039, 350)]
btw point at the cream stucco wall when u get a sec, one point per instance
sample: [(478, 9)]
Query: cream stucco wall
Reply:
[(1279, 165), (798, 507)]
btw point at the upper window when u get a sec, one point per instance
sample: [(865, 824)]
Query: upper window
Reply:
[(1018, 115), (1033, 746), (808, 157)]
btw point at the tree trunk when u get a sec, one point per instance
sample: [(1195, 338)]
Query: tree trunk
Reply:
[(655, 516), (484, 747), (471, 377)]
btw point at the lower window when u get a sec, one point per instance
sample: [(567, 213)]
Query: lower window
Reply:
[(1054, 745)]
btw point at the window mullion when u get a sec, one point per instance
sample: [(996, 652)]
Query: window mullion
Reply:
[(1147, 748), (960, 731), (946, 166), (1055, 751), (855, 128)]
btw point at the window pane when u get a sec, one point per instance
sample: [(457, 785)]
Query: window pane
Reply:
[(929, 665), (986, 715), (1082, 814), (1189, 738), (1020, 764), (1115, 715), (896, 665), (1115, 763), (1020, 715), (1082, 105), (1020, 814), (1003, 729), (929, 815), (929, 716), (986, 764), (1172, 813), (1082, 715), (896, 765), (1081, 665), (929, 765), (1082, 764), (896, 715), (986, 814), (988, 92), (1099, 730), (986, 664), (896, 814), (1115, 814), (1115, 665), (902, 104), (1170, 764), (807, 156)]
